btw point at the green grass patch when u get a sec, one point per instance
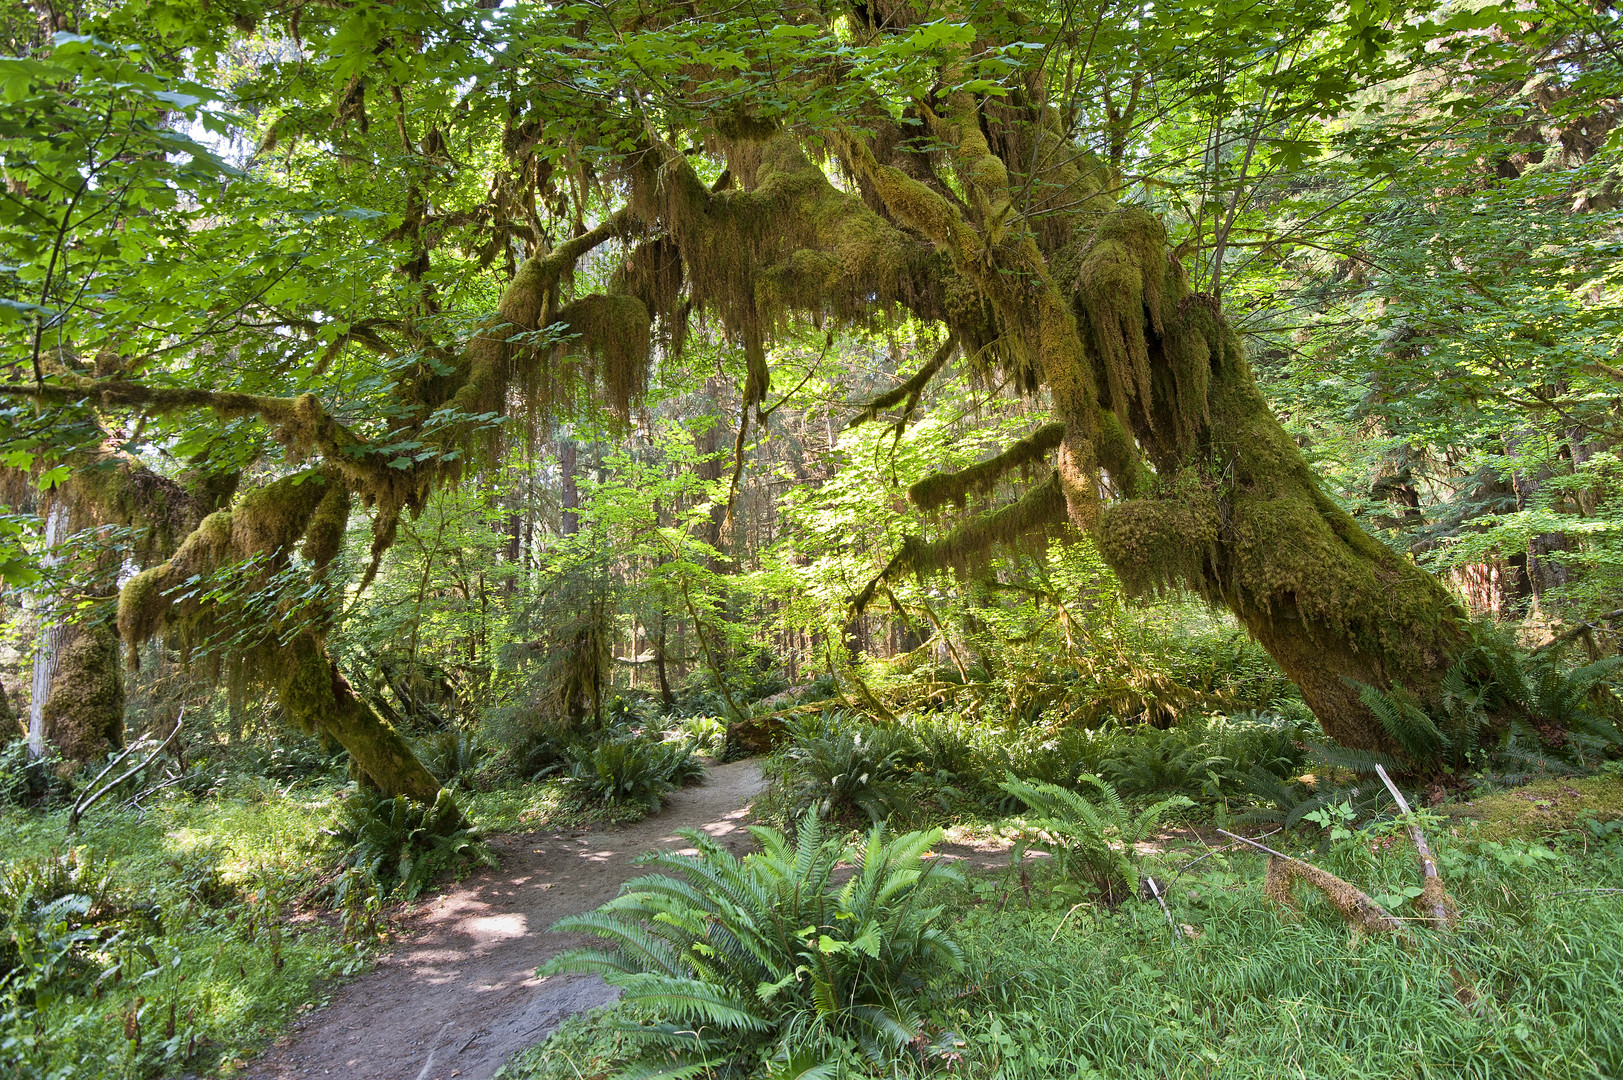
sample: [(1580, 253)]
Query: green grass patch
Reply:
[(1054, 985), (234, 934)]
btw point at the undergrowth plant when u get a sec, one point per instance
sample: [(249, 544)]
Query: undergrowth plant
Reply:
[(398, 846), (629, 769), (1092, 839), (846, 772), (767, 961), (1502, 707)]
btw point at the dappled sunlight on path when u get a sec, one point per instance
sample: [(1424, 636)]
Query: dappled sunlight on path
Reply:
[(459, 994)]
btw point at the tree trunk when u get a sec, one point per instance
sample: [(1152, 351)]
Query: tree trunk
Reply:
[(569, 498), (52, 635), (316, 696)]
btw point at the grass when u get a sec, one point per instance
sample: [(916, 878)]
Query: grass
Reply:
[(244, 942), (1062, 988)]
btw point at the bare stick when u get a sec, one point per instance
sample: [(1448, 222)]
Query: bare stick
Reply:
[(1155, 891), (92, 795), (1220, 850), (1435, 896)]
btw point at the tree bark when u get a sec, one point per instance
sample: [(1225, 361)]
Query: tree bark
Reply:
[(52, 635)]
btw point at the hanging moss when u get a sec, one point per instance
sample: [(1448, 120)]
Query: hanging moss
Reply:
[(84, 715), (324, 538), (1037, 514), (613, 330), (653, 274), (938, 489)]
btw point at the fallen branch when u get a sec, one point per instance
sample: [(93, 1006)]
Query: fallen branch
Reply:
[(1580, 630), (1155, 891), (1435, 897), (1356, 906), (92, 796)]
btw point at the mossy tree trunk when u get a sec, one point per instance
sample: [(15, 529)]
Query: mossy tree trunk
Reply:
[(316, 696)]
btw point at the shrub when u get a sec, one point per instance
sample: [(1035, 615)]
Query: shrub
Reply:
[(399, 846), (58, 914), (1091, 840), (630, 770), (766, 957), (453, 755), (708, 734), (26, 781), (842, 772)]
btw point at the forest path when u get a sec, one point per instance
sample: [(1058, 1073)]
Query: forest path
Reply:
[(460, 994)]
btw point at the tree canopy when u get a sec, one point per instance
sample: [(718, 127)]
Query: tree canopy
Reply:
[(1300, 308)]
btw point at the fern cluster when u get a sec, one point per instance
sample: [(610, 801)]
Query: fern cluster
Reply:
[(1094, 840), (629, 769), (845, 771), (747, 961), (1496, 702), (398, 846)]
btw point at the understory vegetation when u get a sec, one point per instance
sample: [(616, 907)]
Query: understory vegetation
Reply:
[(1141, 482), (1225, 983)]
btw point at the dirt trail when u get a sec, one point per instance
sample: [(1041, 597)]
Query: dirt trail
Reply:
[(460, 993)]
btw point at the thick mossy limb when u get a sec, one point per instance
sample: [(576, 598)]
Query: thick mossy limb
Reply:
[(1161, 544), (324, 538), (268, 521), (315, 696), (84, 715), (938, 489), (152, 600), (1354, 905)]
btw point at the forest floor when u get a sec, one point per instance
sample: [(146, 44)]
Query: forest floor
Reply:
[(459, 994)]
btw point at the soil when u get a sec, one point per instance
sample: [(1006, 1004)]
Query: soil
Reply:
[(460, 993)]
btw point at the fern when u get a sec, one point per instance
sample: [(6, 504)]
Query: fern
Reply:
[(737, 958), (1092, 840), (630, 769), (399, 846)]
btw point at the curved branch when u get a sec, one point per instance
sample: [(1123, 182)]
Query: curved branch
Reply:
[(938, 489)]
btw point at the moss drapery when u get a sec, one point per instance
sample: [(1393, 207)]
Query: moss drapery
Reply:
[(999, 227)]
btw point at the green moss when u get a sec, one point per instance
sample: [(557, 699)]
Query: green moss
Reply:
[(84, 716), (938, 489), (268, 521), (324, 538), (613, 330), (1156, 544), (1037, 514), (1542, 808)]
